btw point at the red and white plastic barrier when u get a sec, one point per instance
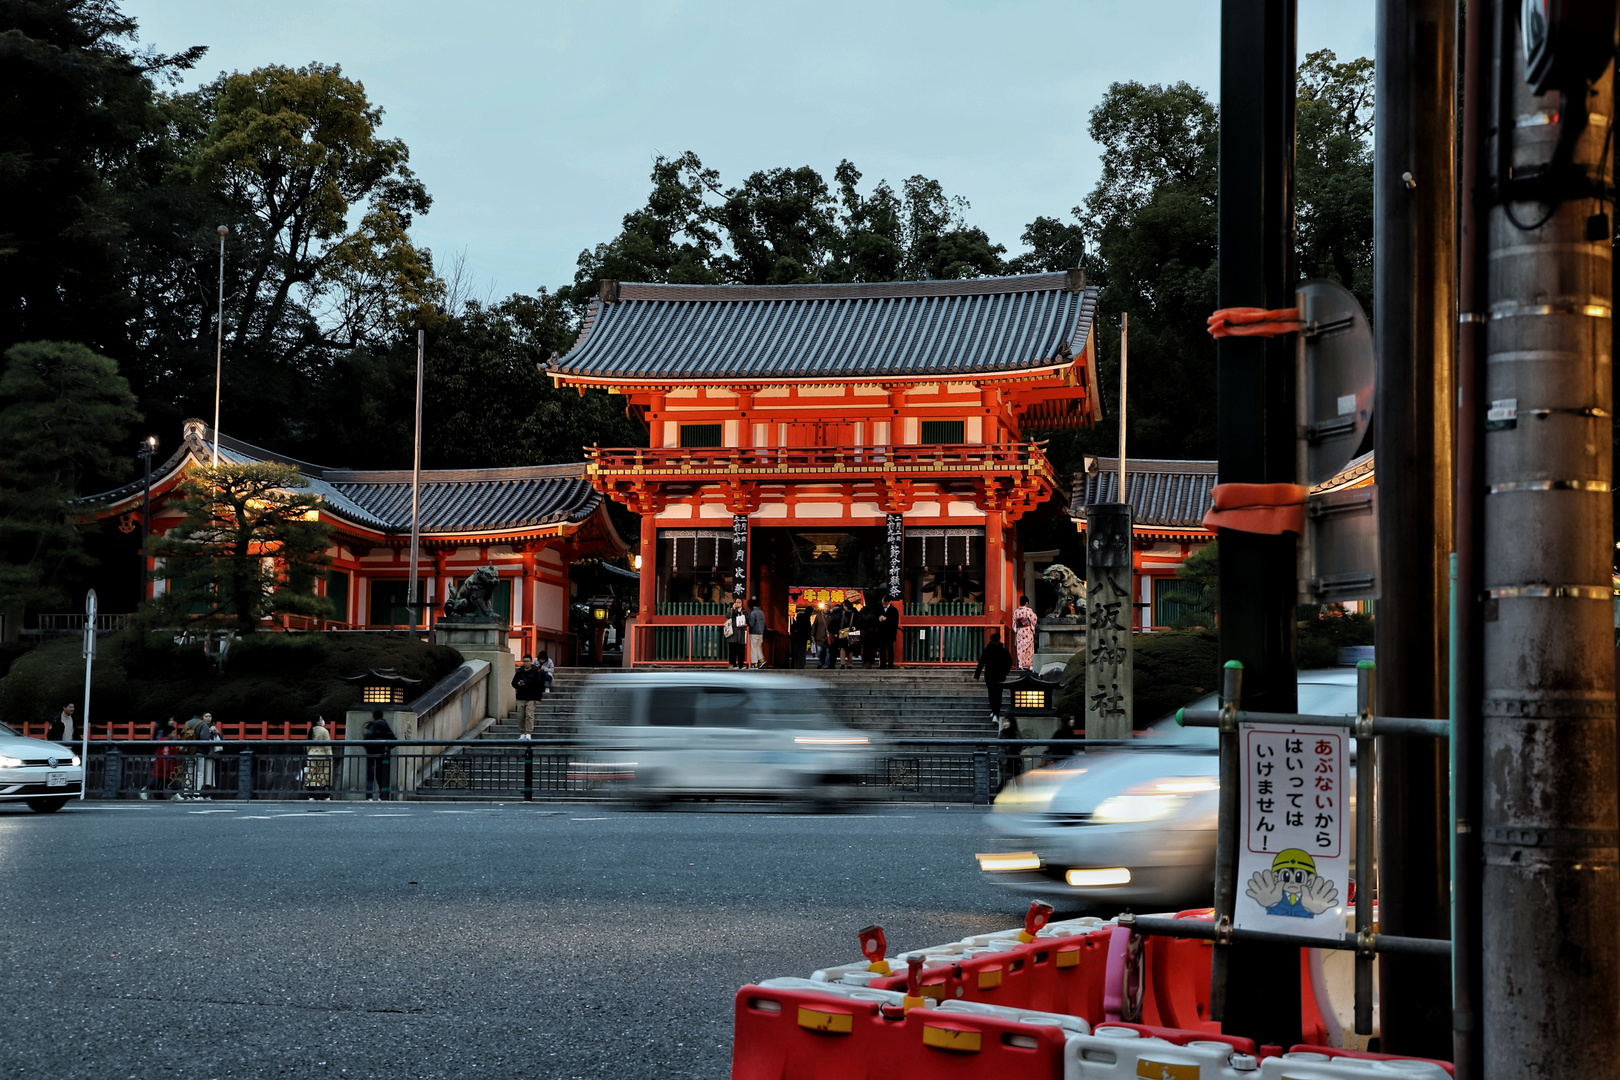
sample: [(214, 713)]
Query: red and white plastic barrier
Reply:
[(1320, 1063), (792, 1034)]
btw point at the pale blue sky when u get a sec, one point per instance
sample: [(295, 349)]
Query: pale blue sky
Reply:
[(534, 124)]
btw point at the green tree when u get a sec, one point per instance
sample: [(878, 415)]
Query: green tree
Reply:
[(63, 409), (249, 546), (492, 355), (319, 259), (1334, 172), (77, 113)]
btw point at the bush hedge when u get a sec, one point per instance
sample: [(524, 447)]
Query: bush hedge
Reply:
[(266, 678)]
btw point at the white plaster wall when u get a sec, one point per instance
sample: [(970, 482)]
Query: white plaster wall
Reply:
[(865, 509), (549, 605), (923, 509), (772, 510), (975, 429), (672, 434), (963, 510), (818, 510), (730, 437), (910, 429), (676, 513), (714, 510)]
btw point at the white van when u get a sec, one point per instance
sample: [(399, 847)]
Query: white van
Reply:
[(706, 734)]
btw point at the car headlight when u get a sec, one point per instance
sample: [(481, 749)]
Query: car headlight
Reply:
[(10, 763), (1032, 793), (75, 759), (1153, 801)]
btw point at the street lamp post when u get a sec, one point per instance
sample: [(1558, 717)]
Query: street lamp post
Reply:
[(219, 340), (148, 448)]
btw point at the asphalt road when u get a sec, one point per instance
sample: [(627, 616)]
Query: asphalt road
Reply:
[(408, 940)]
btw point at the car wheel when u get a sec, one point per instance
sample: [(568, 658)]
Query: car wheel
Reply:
[(47, 806)]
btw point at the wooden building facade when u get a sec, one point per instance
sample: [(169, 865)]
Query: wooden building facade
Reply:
[(530, 523), (811, 442)]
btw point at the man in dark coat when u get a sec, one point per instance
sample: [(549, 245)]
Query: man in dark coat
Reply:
[(994, 664), (375, 733), (835, 623), (799, 637), (530, 683), (868, 620), (889, 630)]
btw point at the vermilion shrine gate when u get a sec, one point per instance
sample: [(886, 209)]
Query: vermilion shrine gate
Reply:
[(812, 440)]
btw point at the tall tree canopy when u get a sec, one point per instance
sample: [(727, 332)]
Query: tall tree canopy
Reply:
[(65, 413), (787, 226)]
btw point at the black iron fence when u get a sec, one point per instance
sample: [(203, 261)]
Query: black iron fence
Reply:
[(930, 770)]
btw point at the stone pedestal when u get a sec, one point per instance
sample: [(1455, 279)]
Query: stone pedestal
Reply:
[(1058, 639), (484, 641)]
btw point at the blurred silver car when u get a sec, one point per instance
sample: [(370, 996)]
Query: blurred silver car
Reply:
[(661, 736), (43, 774), (1133, 826)]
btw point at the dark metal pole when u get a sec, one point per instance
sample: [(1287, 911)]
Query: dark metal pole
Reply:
[(1256, 428), (1414, 313), (1468, 537), (148, 448), (1226, 837), (1550, 888)]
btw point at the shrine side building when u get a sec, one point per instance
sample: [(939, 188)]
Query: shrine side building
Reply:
[(812, 442)]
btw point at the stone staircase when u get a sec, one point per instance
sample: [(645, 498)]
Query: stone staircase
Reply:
[(937, 703)]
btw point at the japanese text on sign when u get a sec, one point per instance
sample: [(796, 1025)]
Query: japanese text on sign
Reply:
[(1295, 792)]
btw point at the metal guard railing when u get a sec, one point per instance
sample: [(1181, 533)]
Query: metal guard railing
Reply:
[(900, 770)]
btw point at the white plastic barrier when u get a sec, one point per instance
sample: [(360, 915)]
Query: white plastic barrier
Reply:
[(1305, 1065), (862, 969), (833, 989), (1073, 1024), (1118, 1053), (957, 950)]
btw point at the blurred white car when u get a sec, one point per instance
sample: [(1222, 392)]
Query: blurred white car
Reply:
[(663, 736), (43, 774), (1132, 826)]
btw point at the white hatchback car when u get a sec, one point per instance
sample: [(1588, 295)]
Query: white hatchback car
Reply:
[(1130, 826), (43, 774), (754, 735)]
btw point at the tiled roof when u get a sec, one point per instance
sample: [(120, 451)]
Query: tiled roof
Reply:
[(877, 330), (452, 500), (1163, 493)]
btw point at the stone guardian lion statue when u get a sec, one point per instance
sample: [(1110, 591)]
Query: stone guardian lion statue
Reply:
[(470, 600), (1071, 590)]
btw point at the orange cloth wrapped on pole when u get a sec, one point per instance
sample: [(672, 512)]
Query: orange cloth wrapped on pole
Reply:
[(1253, 322), (1271, 509)]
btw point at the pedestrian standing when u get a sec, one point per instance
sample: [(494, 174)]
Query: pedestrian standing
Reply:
[(736, 633), (818, 635), (835, 636), (799, 637), (849, 637), (1012, 756), (867, 621), (318, 759), (193, 734), (889, 620), (530, 683), (756, 634), (377, 734), (61, 729), (548, 669), (162, 770), (1024, 620), (994, 664)]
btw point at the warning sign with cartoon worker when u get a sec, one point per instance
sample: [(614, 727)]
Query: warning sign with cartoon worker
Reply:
[(1294, 859)]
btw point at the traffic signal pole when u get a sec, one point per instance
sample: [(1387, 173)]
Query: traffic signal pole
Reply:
[(1414, 316), (1255, 377)]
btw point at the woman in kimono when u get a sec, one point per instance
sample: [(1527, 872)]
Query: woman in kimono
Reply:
[(1024, 633)]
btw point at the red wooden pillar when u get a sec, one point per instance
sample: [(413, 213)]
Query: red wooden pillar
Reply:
[(995, 570), (649, 567)]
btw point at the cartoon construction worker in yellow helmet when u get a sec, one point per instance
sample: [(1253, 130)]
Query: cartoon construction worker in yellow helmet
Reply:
[(1292, 887)]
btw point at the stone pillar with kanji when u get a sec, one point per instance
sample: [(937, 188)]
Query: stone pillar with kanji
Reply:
[(1108, 621)]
